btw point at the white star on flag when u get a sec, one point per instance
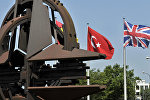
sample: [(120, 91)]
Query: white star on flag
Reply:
[(98, 45)]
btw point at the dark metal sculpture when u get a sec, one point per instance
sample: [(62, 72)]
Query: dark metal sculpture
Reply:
[(36, 30)]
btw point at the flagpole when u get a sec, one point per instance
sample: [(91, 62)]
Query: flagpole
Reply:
[(125, 76), (55, 33), (125, 82), (88, 80), (88, 70)]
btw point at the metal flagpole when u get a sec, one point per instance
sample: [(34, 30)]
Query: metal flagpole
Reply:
[(88, 81), (124, 64), (55, 33), (125, 82), (54, 22), (88, 71)]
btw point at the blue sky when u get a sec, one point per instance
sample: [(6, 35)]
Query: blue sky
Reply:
[(106, 17)]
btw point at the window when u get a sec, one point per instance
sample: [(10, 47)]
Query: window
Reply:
[(146, 87), (141, 88), (137, 87), (137, 93)]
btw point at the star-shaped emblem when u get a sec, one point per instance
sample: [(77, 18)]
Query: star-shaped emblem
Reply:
[(98, 45)]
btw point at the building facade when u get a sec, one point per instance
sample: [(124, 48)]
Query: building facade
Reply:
[(140, 86)]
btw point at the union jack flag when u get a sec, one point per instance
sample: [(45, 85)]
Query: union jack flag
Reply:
[(136, 35)]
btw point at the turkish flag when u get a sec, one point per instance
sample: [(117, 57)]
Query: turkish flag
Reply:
[(98, 43)]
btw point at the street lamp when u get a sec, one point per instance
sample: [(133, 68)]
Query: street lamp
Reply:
[(146, 73), (147, 57)]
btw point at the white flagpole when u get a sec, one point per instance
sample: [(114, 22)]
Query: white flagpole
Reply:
[(88, 71), (88, 80), (55, 33), (124, 65), (125, 82)]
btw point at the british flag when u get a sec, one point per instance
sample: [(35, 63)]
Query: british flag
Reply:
[(136, 35)]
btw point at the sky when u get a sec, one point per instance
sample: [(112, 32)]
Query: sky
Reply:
[(106, 17)]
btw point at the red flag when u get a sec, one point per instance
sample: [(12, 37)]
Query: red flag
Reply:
[(60, 25), (98, 43)]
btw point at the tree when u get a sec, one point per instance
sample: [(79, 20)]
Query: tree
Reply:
[(113, 78), (146, 94)]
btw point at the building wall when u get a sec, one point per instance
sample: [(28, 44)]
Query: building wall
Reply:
[(140, 86)]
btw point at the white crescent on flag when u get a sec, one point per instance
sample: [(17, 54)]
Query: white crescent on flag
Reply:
[(98, 45), (92, 41)]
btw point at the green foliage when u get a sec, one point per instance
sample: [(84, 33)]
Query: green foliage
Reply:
[(146, 94), (113, 78)]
